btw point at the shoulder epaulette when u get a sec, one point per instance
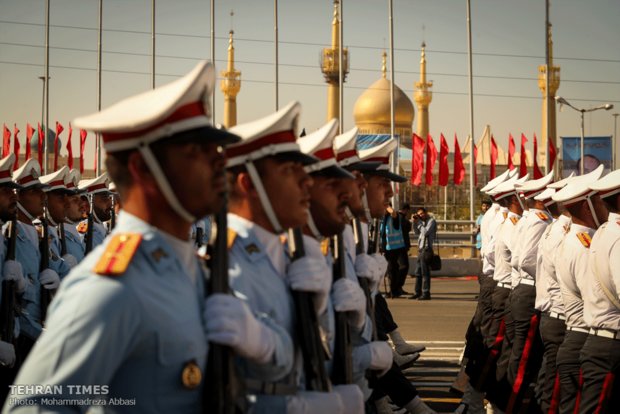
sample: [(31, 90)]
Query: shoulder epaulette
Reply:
[(585, 239), (542, 216), (514, 220), (118, 254), (230, 239), (82, 227)]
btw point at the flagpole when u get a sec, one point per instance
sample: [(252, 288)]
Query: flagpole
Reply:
[(471, 116), (47, 83), (340, 71), (99, 54), (395, 155), (152, 44), (547, 94), (445, 202), (213, 58), (275, 32)]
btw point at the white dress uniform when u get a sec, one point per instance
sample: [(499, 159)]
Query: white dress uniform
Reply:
[(600, 355)]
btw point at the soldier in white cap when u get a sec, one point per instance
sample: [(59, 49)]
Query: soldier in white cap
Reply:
[(600, 355), (270, 192), (574, 273), (12, 278), (55, 214), (100, 202), (548, 297), (129, 321), (73, 238)]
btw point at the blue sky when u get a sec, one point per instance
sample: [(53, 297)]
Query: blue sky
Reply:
[(508, 44)]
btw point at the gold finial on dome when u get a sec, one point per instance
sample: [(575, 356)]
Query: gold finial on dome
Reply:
[(384, 64), (230, 83)]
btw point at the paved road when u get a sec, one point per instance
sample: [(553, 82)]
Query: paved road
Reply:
[(440, 324)]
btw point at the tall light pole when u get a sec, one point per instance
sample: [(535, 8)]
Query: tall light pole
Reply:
[(582, 111), (613, 142)]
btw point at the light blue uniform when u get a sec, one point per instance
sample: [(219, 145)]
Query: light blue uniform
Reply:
[(134, 332), (254, 279), (74, 242), (99, 231), (56, 261), (28, 254)]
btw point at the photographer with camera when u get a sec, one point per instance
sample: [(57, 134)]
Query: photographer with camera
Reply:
[(395, 242), (425, 227)]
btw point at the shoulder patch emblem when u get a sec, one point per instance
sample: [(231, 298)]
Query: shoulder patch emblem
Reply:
[(118, 254), (585, 239), (82, 227), (230, 239), (542, 216), (514, 220)]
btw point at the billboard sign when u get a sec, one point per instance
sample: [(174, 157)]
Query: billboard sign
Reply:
[(597, 151)]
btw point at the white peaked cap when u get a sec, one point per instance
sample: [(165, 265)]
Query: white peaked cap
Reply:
[(320, 144)]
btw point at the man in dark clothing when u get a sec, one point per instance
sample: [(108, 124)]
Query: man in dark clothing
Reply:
[(395, 228), (426, 229)]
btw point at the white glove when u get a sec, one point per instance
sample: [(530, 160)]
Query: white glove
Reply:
[(49, 279), (351, 397), (367, 267), (13, 271), (349, 297), (310, 274), (7, 354), (383, 266), (381, 357), (231, 322), (310, 402), (70, 259)]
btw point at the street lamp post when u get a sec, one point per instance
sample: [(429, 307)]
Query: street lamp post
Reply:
[(582, 111)]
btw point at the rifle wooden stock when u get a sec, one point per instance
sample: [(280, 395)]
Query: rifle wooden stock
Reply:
[(308, 331), (342, 369), (44, 248), (359, 249), (222, 389), (9, 294)]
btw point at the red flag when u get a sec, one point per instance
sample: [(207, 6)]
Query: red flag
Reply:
[(523, 161), (537, 173), (493, 157), (69, 149), (40, 146), (83, 135), (417, 160), (29, 134), (511, 152), (6, 141), (552, 153), (16, 147), (59, 129), (475, 166), (444, 171), (459, 169), (431, 157)]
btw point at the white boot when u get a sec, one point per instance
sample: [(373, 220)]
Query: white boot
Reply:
[(474, 400), (492, 409), (401, 346), (383, 406), (405, 361), (417, 406)]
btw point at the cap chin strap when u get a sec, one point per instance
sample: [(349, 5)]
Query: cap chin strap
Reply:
[(594, 216), (519, 200), (262, 196), (312, 226), (23, 210), (164, 185), (366, 208), (349, 213), (50, 220)]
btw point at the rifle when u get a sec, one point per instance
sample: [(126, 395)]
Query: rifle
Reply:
[(199, 237), (342, 370), (308, 330), (373, 238), (88, 238), (113, 213), (359, 249), (61, 237), (9, 295), (44, 248), (223, 391)]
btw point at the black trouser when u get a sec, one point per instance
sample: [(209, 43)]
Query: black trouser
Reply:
[(23, 346), (475, 351), (383, 318), (569, 369), (423, 274), (398, 267), (395, 385), (600, 365), (552, 331), (527, 348)]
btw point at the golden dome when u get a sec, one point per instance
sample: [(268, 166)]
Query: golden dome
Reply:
[(372, 108)]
